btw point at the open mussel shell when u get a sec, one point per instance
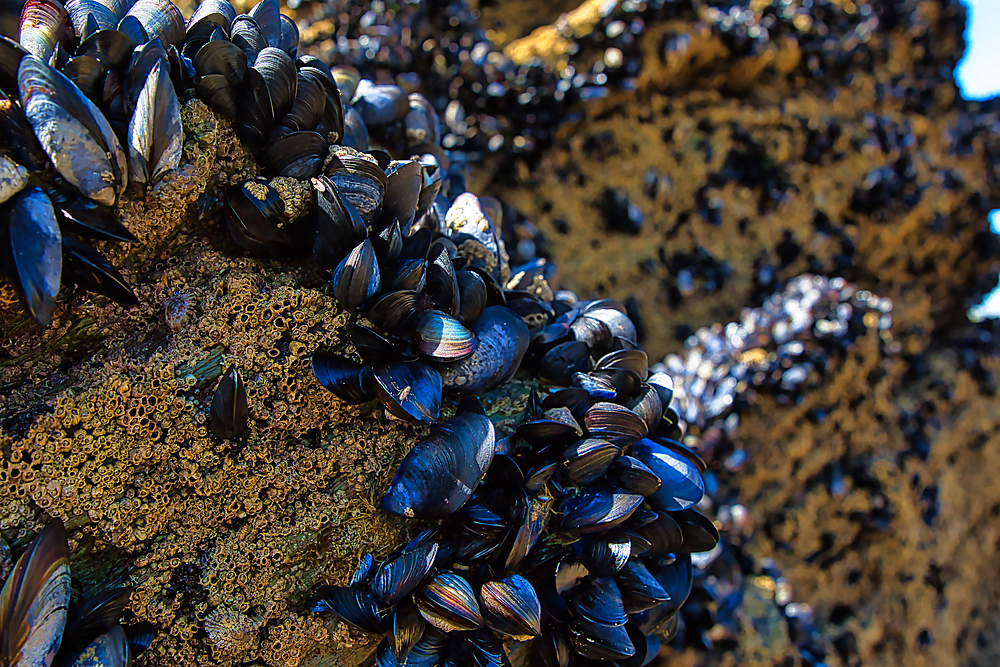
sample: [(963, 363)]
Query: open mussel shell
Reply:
[(448, 603), (681, 483), (154, 134), (594, 510), (440, 474), (355, 607), (34, 599), (399, 576), (72, 131), (357, 279), (347, 379), (443, 338), (31, 250), (503, 339), (510, 606), (86, 268), (410, 391), (44, 25), (639, 589)]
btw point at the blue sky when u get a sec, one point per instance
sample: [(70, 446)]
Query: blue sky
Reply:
[(978, 77)]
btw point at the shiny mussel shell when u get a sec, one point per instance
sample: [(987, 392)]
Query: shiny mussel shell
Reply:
[(511, 606), (448, 603), (443, 338), (503, 339)]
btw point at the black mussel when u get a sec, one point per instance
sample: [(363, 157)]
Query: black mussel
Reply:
[(536, 518), (154, 134), (93, 616), (10, 58), (309, 104), (223, 58), (591, 331), (472, 296), (477, 518), (355, 607), (402, 192), (297, 155), (90, 16), (216, 92), (356, 279), (289, 41), (598, 601), (442, 283), (255, 216), (503, 340), (16, 135), (60, 116), (612, 314), (359, 179), (31, 250), (208, 16), (86, 268), (410, 391), (681, 483), (511, 606), (676, 580), (407, 629), (397, 577), (448, 603), (409, 274), (349, 380), (648, 406), (603, 557), (575, 399), (639, 589), (553, 424), (440, 474), (247, 36), (374, 348), (256, 115), (278, 70), (380, 105), (363, 572), (388, 244), (560, 363), (422, 122), (110, 649), (160, 19), (588, 459), (593, 510), (662, 536), (143, 59), (395, 310), (338, 225), (35, 597), (700, 534), (44, 25), (228, 418), (569, 575), (664, 386), (633, 360), (443, 338), (267, 15), (536, 313), (600, 642), (355, 131), (536, 477), (611, 420), (633, 475)]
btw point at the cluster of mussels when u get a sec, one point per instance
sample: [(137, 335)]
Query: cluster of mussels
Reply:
[(40, 626), (567, 539), (91, 104)]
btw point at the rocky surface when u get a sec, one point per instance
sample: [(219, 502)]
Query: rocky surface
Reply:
[(722, 169)]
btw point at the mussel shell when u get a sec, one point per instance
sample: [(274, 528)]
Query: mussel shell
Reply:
[(664, 386), (374, 348), (278, 70), (700, 534), (407, 629), (255, 216), (466, 219), (289, 40), (560, 363), (220, 56), (72, 131), (267, 14), (228, 417), (363, 572), (676, 579), (355, 130), (394, 310), (399, 576), (359, 180), (598, 601), (402, 191), (647, 647), (32, 250), (216, 92), (633, 360), (308, 106), (409, 274), (247, 36), (536, 518), (349, 380), (339, 227), (380, 104), (357, 279), (592, 510), (297, 155), (355, 607), (443, 338), (633, 475), (681, 483), (575, 399), (472, 296), (440, 474), (347, 78), (611, 420), (155, 137), (13, 178), (663, 535), (88, 269), (217, 13), (600, 642), (603, 557), (422, 122), (448, 603), (256, 114), (90, 16), (616, 320), (161, 20), (143, 59), (411, 391), (639, 589), (510, 606), (595, 333), (503, 340), (44, 25), (588, 459)]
